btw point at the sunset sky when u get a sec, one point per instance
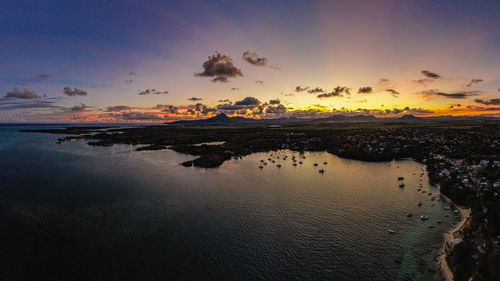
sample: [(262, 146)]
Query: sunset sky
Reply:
[(157, 61)]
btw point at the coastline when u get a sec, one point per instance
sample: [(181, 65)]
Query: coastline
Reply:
[(465, 213)]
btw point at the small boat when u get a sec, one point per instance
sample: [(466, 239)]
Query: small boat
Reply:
[(446, 208), (295, 164), (409, 215), (429, 194), (424, 217), (431, 226), (324, 163), (315, 164), (391, 231), (401, 178), (322, 171), (279, 165), (439, 222), (273, 161), (424, 191), (265, 163), (402, 185), (419, 204), (260, 167), (261, 161), (268, 159), (300, 162)]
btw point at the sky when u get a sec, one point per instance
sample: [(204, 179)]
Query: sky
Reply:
[(160, 61)]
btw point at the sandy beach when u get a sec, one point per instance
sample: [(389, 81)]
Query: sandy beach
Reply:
[(448, 274)]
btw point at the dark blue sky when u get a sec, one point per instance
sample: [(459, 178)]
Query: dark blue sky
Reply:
[(96, 44)]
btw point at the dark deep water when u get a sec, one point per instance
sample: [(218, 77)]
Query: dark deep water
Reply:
[(76, 212)]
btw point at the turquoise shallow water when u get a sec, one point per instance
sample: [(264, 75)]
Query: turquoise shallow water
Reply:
[(74, 212)]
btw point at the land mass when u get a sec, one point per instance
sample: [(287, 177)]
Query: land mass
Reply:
[(461, 155)]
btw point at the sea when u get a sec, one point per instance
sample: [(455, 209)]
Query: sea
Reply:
[(71, 211)]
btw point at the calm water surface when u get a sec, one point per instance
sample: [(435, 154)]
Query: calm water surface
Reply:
[(76, 212)]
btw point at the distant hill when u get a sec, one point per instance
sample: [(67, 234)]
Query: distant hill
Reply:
[(409, 117)]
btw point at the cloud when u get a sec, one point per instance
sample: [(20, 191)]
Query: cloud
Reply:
[(132, 74), (152, 92), (429, 74), (167, 108), (259, 82), (74, 92), (220, 67), (423, 82), (365, 90), (289, 95), (254, 59), (488, 102), (429, 94), (128, 81), (275, 67), (26, 94), (246, 103), (224, 100), (195, 99), (393, 92), (118, 108), (383, 81), (361, 101), (337, 92), (79, 107), (455, 105), (315, 90), (276, 101), (13, 104), (235, 89), (276, 109), (39, 78), (138, 116), (299, 89), (474, 81)]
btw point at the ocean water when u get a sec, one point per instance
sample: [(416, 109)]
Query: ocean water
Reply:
[(77, 212)]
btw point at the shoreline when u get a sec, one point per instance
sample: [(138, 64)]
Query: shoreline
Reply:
[(445, 269)]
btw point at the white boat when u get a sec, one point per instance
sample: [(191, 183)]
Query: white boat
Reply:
[(391, 231)]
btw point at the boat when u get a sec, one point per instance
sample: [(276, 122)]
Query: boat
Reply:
[(300, 162), (424, 217), (419, 204), (260, 167), (324, 163), (446, 208), (261, 161), (402, 185), (391, 231), (322, 171), (409, 215), (295, 164), (401, 178), (315, 164), (279, 165), (439, 222), (265, 163)]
